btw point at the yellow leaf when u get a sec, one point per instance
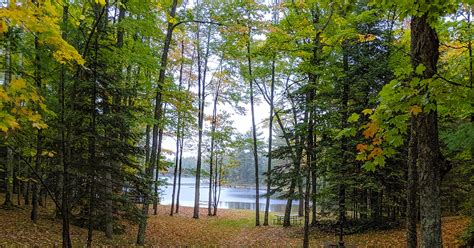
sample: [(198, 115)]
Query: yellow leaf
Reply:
[(100, 2), (367, 111), (3, 27), (17, 84), (375, 152), (39, 125), (371, 130), (415, 110)]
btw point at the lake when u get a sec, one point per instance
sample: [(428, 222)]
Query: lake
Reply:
[(231, 198)]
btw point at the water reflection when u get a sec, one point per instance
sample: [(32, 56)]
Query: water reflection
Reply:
[(231, 198)]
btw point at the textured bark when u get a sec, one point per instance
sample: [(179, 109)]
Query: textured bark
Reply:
[(412, 186), (424, 50)]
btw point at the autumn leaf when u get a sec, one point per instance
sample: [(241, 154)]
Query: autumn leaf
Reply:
[(361, 147), (371, 130), (100, 2), (367, 111), (375, 152), (415, 110), (17, 85), (3, 27), (39, 125)]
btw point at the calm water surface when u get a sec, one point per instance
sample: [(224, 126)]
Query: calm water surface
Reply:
[(231, 198)]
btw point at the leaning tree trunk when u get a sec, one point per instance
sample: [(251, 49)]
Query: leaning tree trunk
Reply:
[(424, 50)]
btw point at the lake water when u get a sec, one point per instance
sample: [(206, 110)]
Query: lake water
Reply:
[(231, 198)]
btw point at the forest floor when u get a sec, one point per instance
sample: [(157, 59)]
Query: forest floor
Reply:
[(231, 228)]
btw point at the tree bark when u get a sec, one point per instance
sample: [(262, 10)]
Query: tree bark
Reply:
[(424, 50), (65, 208), (412, 186)]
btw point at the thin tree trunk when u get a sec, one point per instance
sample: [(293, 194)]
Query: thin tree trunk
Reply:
[(39, 140), (178, 132), (309, 164), (157, 116), (9, 159), (254, 132), (9, 179), (344, 150), (158, 158), (202, 101), (180, 170), (270, 138), (65, 209)]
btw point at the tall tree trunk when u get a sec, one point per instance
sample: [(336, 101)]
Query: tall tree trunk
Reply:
[(344, 149), (309, 164), (9, 179), (157, 167), (65, 208), (182, 142), (254, 131), (157, 116), (211, 157), (412, 186), (9, 159), (180, 170), (39, 140), (178, 133), (202, 103), (269, 153), (424, 50)]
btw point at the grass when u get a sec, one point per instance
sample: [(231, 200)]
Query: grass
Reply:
[(230, 228)]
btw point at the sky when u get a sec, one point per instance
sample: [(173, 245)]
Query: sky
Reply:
[(242, 123)]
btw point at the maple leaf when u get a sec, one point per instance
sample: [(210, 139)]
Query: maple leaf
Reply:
[(17, 85), (100, 2), (367, 111), (415, 110), (371, 130), (361, 147), (375, 152)]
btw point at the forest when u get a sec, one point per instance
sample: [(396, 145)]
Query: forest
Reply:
[(356, 115)]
